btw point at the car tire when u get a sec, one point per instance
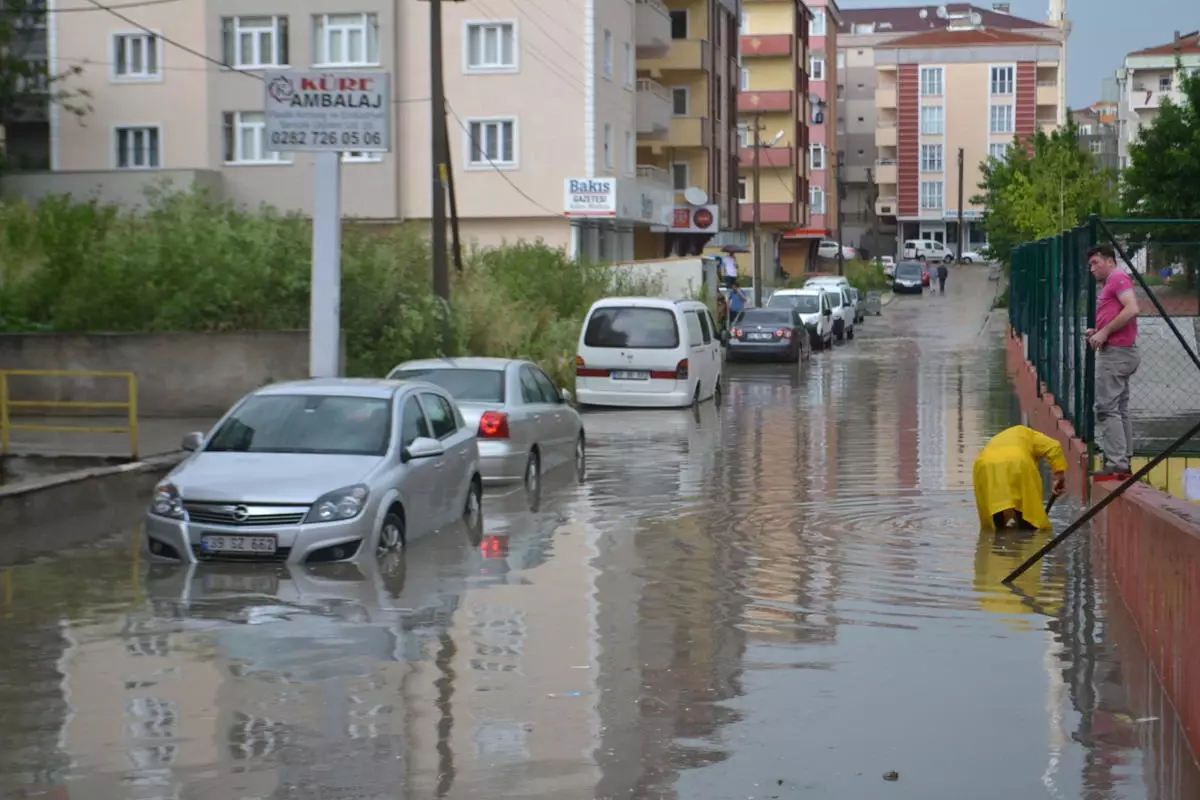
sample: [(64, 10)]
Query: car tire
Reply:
[(967, 261), (580, 458), (718, 392), (391, 534), (532, 479), (472, 515)]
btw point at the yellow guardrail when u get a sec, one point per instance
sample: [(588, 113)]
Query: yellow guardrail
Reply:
[(7, 404)]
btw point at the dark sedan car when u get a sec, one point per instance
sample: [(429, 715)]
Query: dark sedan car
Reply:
[(909, 277), (775, 334)]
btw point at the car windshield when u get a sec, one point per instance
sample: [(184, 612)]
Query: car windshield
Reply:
[(306, 423), (464, 385), (765, 316), (835, 299), (909, 271), (804, 303), (632, 327)]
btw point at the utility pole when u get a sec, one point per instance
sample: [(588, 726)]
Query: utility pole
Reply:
[(757, 234), (441, 159), (872, 197), (959, 253), (839, 194), (455, 241)]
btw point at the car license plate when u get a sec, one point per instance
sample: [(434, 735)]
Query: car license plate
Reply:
[(253, 584), (629, 375), (213, 543), (758, 336)]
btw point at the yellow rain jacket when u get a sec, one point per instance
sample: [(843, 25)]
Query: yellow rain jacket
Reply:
[(1006, 475)]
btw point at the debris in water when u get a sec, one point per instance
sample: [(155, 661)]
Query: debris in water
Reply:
[(564, 694), (891, 775)]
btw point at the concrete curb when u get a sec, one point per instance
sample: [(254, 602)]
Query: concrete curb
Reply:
[(52, 513)]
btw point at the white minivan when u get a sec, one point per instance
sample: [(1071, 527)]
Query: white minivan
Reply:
[(648, 352), (842, 300), (929, 250)]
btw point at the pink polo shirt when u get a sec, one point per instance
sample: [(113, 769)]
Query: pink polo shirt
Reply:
[(1109, 306)]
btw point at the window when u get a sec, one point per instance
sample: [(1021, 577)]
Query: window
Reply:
[(816, 156), (346, 40), (680, 100), (816, 69), (413, 424), (744, 23), (679, 24), (1165, 82), (720, 94), (931, 195), (998, 151), (630, 65), (931, 81), (695, 336), (464, 385), (816, 200), (1002, 80), (441, 415), (841, 61), (931, 158), (630, 154), (492, 142), (249, 42), (741, 186), (632, 327), (1001, 119), (360, 157), (1095, 145), (608, 54), (680, 175), (743, 132), (705, 330), (1085, 130), (743, 80), (932, 120), (608, 147), (816, 25), (138, 148), (246, 139), (137, 56), (491, 47)]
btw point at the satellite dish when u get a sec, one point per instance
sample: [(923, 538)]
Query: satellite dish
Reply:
[(923, 14), (943, 13), (695, 195), (976, 18)]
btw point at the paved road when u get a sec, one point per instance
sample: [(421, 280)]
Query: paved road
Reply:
[(785, 597)]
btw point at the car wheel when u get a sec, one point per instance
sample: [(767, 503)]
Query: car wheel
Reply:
[(533, 473), (391, 534), (581, 457), (817, 342), (473, 511), (966, 261), (717, 392)]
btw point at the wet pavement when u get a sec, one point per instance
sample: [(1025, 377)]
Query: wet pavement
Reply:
[(785, 597)]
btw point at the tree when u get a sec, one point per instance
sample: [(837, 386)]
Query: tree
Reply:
[(27, 87), (1044, 185)]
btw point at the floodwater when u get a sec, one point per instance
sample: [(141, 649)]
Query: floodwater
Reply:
[(785, 597)]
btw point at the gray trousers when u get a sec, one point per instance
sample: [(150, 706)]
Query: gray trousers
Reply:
[(1114, 428)]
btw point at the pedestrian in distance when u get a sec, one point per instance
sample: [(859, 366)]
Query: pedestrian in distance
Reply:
[(729, 270), (943, 273), (737, 300), (1008, 483), (1117, 358)]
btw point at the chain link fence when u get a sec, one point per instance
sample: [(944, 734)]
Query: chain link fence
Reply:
[(1052, 302)]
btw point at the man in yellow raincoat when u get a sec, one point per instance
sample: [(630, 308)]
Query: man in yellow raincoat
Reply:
[(1008, 485)]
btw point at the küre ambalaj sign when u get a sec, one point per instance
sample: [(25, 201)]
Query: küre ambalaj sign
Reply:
[(309, 111)]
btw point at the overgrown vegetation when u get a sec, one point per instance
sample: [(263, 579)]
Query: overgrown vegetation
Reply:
[(191, 263)]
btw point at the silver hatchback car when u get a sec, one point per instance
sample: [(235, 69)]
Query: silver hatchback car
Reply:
[(525, 425), (318, 471)]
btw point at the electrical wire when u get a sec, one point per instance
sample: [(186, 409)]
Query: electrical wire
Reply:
[(135, 4)]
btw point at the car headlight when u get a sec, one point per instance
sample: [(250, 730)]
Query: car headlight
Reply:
[(167, 502), (338, 505)]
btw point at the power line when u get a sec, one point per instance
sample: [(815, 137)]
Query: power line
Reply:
[(48, 11), (496, 167)]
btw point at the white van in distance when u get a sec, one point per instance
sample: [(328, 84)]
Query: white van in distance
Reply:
[(647, 352)]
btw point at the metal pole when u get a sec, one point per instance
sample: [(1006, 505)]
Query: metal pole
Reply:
[(455, 241), (758, 265), (837, 193), (959, 253), (437, 94), (324, 327)]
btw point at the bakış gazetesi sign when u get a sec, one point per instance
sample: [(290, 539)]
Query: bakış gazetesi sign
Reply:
[(590, 197)]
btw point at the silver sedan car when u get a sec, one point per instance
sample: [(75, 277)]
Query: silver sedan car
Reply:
[(525, 425), (318, 471)]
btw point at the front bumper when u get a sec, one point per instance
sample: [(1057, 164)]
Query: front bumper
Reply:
[(295, 543)]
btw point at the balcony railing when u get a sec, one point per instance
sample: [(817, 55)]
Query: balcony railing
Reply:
[(653, 108), (648, 172), (653, 21)]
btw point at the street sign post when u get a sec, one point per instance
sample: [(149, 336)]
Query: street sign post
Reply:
[(327, 114)]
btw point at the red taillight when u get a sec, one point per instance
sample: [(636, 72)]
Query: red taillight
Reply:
[(493, 425), (582, 371), (681, 370), (784, 333), (737, 333)]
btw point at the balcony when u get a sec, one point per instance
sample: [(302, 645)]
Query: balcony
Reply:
[(683, 132), (777, 101), (886, 173), (885, 97), (1141, 98), (1047, 93), (773, 45), (769, 213), (651, 174), (682, 55), (653, 108), (885, 134), (768, 157), (653, 29), (887, 206)]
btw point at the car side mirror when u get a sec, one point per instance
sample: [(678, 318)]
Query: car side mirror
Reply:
[(192, 442), (422, 447), (828, 312), (565, 396)]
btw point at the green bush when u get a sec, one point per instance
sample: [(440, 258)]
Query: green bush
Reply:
[(867, 276), (192, 263)]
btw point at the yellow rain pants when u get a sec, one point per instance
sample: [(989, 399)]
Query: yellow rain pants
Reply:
[(1006, 475)]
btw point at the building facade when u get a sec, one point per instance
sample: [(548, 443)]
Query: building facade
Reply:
[(1096, 128), (1145, 80), (25, 111), (537, 96), (870, 215)]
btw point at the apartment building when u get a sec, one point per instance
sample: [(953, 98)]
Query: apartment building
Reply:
[(1147, 78), (538, 96), (870, 215), (1096, 128), (25, 112)]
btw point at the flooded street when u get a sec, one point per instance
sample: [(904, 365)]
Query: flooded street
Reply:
[(786, 596)]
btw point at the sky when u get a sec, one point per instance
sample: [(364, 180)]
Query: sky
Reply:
[(1102, 32)]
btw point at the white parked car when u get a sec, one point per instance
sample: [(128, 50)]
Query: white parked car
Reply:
[(829, 249), (841, 301), (815, 310), (648, 352), (929, 250), (889, 265), (972, 257)]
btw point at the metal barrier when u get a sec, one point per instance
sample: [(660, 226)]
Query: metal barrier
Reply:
[(7, 404)]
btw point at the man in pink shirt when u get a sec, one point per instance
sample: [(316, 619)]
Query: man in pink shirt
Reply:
[(1115, 341)]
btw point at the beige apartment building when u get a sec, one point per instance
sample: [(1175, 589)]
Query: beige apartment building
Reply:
[(960, 44), (538, 95), (1146, 79)]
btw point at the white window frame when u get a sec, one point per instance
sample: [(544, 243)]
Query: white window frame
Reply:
[(609, 147), (1012, 119), (368, 24), (816, 156), (687, 94), (156, 127), (361, 157), (1166, 82), (816, 200), (606, 67), (744, 23), (493, 164), (816, 25), (1010, 84), (630, 66), (841, 60), (743, 79), (941, 126), (1096, 147), (743, 134), (1002, 147), (155, 39), (940, 199), (236, 58), (630, 153), (499, 68), (743, 190), (687, 174), (240, 124), (930, 86), (816, 65), (931, 164)]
